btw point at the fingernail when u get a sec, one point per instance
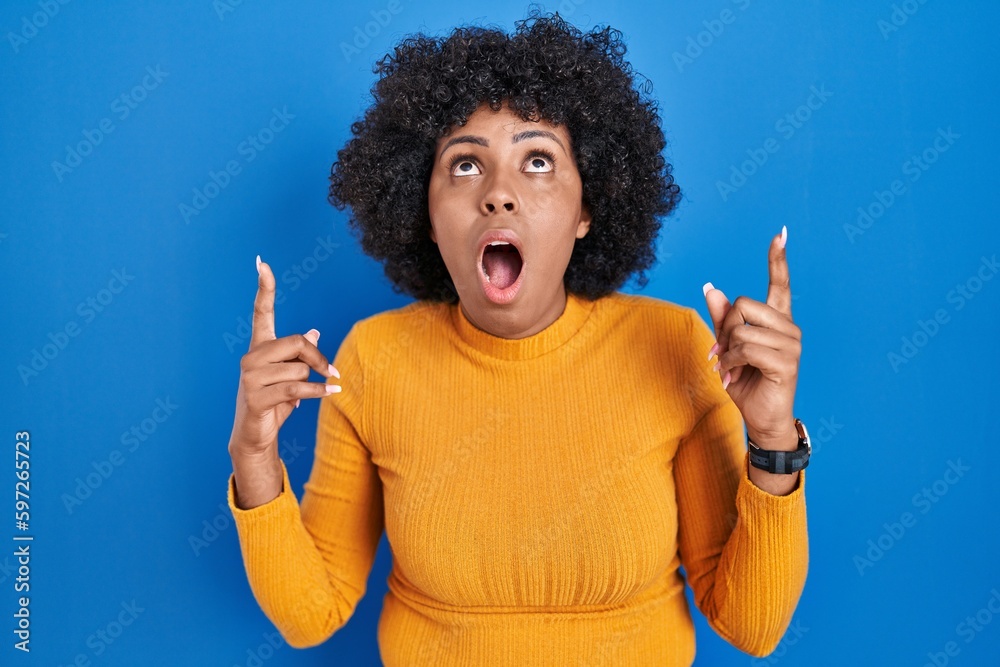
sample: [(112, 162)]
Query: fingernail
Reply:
[(258, 265), (332, 388), (297, 401), (784, 236), (717, 366), (725, 381), (314, 334), (333, 371), (706, 287), (712, 351)]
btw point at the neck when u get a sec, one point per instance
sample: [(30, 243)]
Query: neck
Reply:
[(503, 327)]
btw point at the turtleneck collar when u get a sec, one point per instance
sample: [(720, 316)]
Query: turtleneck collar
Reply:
[(572, 319)]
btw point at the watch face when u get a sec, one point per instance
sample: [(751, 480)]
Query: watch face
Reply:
[(805, 435)]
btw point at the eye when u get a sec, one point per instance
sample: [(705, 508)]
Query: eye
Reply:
[(537, 159), (465, 162)]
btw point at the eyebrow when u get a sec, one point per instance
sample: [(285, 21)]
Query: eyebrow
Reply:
[(482, 141)]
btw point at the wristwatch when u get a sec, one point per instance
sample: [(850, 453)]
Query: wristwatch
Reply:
[(782, 461)]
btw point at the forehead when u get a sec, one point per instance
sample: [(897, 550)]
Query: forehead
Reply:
[(505, 122)]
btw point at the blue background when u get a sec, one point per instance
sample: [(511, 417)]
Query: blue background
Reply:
[(882, 432)]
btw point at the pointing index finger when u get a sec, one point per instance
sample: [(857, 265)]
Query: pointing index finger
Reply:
[(779, 292), (262, 328)]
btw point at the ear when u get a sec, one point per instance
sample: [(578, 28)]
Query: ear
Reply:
[(584, 225)]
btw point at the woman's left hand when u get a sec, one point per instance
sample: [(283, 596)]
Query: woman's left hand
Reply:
[(758, 353)]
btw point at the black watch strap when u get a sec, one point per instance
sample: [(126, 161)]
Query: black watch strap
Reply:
[(783, 462)]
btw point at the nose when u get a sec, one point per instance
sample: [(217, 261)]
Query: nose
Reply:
[(499, 195)]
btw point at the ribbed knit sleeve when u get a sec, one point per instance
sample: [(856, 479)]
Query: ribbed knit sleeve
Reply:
[(308, 564), (745, 551)]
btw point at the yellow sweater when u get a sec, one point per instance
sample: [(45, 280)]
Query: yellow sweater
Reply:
[(538, 494)]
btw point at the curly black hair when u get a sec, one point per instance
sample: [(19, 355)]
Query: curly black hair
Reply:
[(546, 69)]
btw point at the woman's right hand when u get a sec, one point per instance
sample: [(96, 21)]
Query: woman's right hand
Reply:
[(273, 376)]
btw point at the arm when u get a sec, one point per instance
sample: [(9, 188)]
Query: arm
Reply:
[(308, 563), (745, 550)]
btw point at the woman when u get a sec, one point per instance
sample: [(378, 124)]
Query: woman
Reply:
[(543, 451)]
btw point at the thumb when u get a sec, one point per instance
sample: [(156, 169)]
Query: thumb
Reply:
[(718, 306)]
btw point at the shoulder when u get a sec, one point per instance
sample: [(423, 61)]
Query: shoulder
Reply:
[(623, 300), (665, 328), (401, 323), (650, 325), (642, 309), (668, 338), (414, 309)]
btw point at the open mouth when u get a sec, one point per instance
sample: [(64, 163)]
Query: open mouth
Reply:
[(502, 264)]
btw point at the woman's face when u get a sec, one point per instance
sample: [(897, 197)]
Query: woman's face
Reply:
[(500, 179)]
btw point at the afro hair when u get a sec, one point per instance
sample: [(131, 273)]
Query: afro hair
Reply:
[(546, 69)]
